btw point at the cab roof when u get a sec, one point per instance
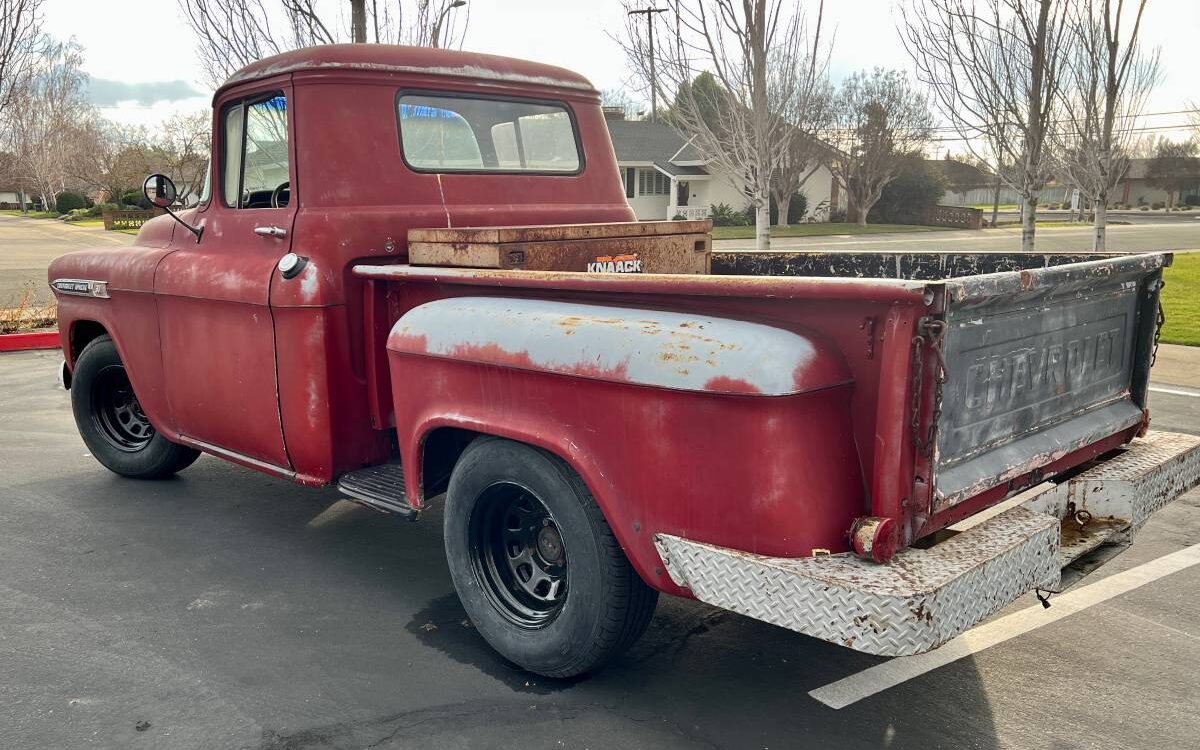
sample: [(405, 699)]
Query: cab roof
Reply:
[(399, 59)]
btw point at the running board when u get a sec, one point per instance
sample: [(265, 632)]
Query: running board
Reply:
[(380, 487)]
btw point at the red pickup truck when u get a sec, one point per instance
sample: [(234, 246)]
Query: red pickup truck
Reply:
[(414, 273)]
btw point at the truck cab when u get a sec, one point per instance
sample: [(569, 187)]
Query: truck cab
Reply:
[(414, 273)]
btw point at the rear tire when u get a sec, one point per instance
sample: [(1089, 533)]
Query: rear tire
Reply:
[(111, 421), (536, 565)]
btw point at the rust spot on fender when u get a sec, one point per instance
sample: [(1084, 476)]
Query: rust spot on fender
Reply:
[(726, 384), (409, 343)]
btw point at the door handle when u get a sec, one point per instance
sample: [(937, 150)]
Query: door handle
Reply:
[(271, 231)]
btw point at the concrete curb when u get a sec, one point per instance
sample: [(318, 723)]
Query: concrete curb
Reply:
[(19, 342)]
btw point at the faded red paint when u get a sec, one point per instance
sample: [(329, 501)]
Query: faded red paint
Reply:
[(292, 377)]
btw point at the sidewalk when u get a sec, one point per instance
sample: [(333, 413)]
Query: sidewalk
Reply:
[(1177, 365)]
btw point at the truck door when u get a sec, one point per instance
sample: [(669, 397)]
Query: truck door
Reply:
[(218, 342)]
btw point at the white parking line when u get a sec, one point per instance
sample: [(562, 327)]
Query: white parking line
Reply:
[(891, 673), (1175, 391)]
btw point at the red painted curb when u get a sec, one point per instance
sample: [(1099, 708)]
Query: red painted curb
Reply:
[(19, 342)]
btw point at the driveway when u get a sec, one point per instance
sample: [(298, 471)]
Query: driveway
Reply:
[(227, 609), (28, 245)]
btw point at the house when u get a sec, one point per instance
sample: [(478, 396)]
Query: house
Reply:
[(1133, 190), (10, 197), (666, 176), (969, 185)]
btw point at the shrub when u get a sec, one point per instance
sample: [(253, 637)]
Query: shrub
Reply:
[(77, 214), (678, 217), (724, 215), (1191, 200), (135, 199), (837, 216), (796, 209), (100, 208), (1143, 207), (905, 200), (66, 202), (1157, 205)]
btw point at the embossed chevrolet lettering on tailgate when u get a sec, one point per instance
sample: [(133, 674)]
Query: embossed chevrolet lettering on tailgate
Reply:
[(1020, 370), (1002, 380)]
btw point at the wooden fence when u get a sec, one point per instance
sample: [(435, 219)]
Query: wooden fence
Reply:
[(128, 219), (954, 216)]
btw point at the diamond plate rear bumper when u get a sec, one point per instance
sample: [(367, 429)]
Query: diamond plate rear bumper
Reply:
[(925, 597)]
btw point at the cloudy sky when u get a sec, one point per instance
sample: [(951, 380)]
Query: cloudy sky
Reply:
[(140, 58)]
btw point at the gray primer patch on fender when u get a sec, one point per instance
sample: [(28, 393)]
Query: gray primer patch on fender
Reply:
[(645, 347)]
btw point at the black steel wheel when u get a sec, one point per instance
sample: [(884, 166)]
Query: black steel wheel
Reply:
[(116, 413), (518, 555), (537, 567), (111, 421)]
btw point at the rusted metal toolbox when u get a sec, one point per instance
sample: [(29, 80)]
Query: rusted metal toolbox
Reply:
[(625, 247)]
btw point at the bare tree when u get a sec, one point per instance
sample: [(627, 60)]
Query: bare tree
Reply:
[(235, 33), (106, 158), (183, 149), (21, 44), (879, 121), (42, 123), (990, 64), (1110, 80), (767, 58), (806, 153)]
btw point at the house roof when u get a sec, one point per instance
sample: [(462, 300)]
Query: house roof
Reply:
[(680, 170), (648, 142), (644, 140)]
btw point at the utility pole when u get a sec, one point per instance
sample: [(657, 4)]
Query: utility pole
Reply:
[(358, 21), (649, 14)]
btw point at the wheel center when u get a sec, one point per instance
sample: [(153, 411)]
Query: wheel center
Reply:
[(549, 544)]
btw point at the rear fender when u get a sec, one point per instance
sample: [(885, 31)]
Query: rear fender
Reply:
[(748, 421)]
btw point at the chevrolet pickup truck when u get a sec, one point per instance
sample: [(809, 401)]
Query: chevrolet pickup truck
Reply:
[(414, 274)]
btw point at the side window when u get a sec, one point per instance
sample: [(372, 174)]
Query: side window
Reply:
[(255, 154)]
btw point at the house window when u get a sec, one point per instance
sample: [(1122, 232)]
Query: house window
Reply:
[(653, 182), (630, 181)]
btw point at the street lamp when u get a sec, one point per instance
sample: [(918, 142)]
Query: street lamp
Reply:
[(436, 34)]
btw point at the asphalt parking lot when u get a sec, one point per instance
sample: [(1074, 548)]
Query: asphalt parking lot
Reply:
[(227, 609)]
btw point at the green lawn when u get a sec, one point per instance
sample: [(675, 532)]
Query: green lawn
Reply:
[(31, 214), (1003, 206), (817, 230), (1181, 300)]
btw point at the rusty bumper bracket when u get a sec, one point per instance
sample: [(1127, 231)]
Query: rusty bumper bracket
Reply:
[(925, 597)]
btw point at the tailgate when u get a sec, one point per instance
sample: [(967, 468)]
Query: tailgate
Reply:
[(1038, 364)]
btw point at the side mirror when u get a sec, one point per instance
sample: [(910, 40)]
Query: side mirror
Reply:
[(159, 190)]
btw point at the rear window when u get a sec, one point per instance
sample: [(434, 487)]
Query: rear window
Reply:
[(460, 134)]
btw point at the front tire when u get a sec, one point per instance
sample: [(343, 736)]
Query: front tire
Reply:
[(112, 423), (535, 564)]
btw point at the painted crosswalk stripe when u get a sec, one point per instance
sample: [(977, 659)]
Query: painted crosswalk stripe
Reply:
[(891, 673)]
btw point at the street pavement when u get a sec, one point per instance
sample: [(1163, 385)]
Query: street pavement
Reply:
[(1179, 234), (28, 245), (227, 609)]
